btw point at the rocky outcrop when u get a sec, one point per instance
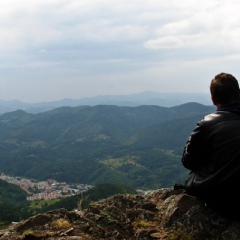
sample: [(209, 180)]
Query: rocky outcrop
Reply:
[(168, 214)]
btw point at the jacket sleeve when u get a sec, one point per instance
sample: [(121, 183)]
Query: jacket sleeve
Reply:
[(194, 154)]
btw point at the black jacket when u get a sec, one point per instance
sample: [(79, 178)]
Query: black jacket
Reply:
[(212, 153)]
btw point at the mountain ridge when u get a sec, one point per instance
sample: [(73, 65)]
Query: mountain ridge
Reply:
[(99, 144), (132, 100)]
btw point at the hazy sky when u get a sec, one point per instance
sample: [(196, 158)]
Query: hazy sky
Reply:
[(54, 49)]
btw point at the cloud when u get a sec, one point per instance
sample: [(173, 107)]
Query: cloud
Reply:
[(208, 26), (62, 41)]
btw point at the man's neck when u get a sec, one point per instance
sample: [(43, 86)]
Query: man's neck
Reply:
[(218, 105)]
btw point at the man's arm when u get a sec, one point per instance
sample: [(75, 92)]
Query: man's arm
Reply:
[(193, 153)]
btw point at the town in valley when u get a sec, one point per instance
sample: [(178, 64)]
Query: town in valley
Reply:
[(46, 190)]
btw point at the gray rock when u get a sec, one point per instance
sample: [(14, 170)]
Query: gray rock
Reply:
[(161, 214)]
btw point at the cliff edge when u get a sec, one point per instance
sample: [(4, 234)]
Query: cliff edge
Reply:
[(168, 214)]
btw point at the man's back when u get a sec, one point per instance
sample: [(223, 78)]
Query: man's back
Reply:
[(212, 152)]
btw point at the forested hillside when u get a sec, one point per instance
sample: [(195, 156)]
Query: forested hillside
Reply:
[(11, 198), (138, 146)]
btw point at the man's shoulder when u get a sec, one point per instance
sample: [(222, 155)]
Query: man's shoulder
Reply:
[(219, 116)]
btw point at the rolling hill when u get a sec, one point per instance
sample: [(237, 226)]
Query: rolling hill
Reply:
[(139, 146)]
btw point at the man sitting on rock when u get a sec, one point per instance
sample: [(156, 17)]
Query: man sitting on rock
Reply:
[(212, 152)]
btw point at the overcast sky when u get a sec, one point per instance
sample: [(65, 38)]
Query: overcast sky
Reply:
[(55, 49)]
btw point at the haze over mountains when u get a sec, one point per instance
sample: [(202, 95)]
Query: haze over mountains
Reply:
[(143, 98)]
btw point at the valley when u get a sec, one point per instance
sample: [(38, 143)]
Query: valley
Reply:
[(46, 190), (138, 146), (115, 149)]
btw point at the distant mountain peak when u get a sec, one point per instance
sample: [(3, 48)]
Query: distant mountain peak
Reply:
[(164, 99)]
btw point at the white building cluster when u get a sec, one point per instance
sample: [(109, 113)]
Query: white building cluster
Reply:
[(47, 190)]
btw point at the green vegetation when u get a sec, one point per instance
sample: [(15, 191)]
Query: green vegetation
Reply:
[(83, 200), (22, 209), (37, 205), (139, 147), (10, 193), (12, 202)]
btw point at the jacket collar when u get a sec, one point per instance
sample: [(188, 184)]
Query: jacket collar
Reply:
[(231, 107)]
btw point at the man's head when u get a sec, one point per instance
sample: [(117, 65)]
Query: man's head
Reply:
[(224, 89)]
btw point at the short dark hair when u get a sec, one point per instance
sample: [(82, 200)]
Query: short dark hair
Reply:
[(224, 88)]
